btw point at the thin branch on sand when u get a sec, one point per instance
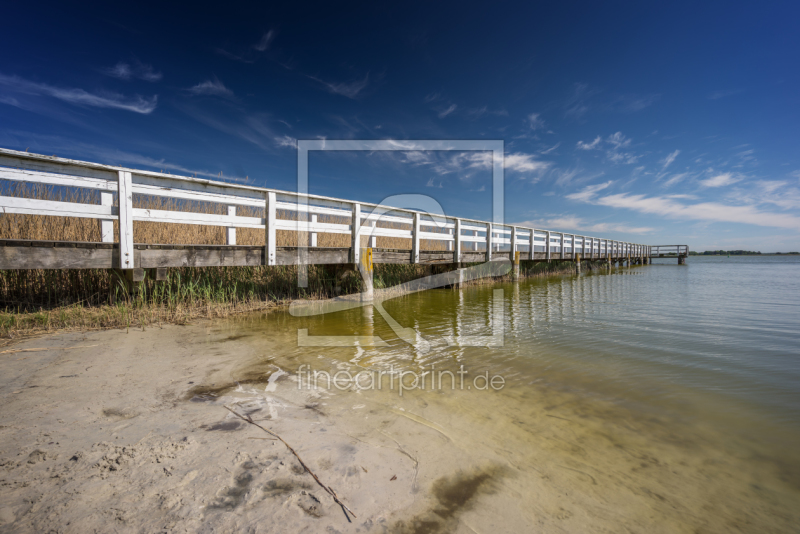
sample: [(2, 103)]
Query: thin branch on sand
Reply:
[(330, 491)]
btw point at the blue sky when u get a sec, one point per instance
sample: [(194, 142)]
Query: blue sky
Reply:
[(675, 122)]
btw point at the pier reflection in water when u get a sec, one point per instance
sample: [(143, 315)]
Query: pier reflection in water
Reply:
[(662, 398)]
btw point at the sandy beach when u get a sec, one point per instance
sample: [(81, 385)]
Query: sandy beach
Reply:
[(128, 431), (121, 431)]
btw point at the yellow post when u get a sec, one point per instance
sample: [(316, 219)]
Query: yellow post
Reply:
[(365, 268)]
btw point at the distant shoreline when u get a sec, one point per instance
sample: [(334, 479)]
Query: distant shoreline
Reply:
[(692, 253)]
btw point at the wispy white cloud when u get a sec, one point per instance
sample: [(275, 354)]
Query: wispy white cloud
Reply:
[(465, 164), (347, 89), (254, 128), (266, 40), (286, 141), (552, 148), (618, 140), (573, 223), (634, 103), (588, 192), (616, 153), (211, 88), (720, 180), (535, 121), (447, 111), (780, 193), (590, 146), (126, 71), (669, 159), (79, 97), (722, 94), (565, 177), (525, 163), (676, 178), (576, 104), (670, 206)]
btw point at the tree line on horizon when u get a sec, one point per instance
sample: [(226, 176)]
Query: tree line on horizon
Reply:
[(733, 253)]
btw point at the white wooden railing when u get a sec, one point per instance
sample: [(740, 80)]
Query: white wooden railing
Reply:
[(669, 250), (461, 235)]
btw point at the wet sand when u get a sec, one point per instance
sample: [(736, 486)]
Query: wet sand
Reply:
[(129, 433)]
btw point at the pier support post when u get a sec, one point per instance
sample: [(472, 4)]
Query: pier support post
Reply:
[(681, 260), (365, 269), (515, 274), (578, 262)]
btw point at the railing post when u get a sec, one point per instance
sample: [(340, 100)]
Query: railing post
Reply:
[(415, 240), (313, 237), (269, 228), (474, 243), (230, 231), (533, 234), (106, 225), (488, 241), (355, 245), (457, 247), (562, 245), (125, 190), (547, 246), (449, 243)]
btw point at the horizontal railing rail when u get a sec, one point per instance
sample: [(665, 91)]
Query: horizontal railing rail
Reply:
[(669, 250), (356, 219)]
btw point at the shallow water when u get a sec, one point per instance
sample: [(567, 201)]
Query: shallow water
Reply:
[(658, 398)]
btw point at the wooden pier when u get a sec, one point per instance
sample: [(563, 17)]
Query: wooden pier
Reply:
[(670, 251), (460, 240)]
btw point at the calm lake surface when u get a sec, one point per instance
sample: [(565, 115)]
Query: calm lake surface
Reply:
[(657, 398)]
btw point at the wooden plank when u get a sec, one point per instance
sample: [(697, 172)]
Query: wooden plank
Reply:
[(50, 178), (207, 219), (435, 236), (154, 258), (317, 256), (458, 238), (355, 234), (489, 242), (270, 239), (54, 208), (30, 257), (380, 256), (230, 232), (392, 232), (126, 260), (415, 240), (473, 257), (547, 246), (513, 240), (199, 196)]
